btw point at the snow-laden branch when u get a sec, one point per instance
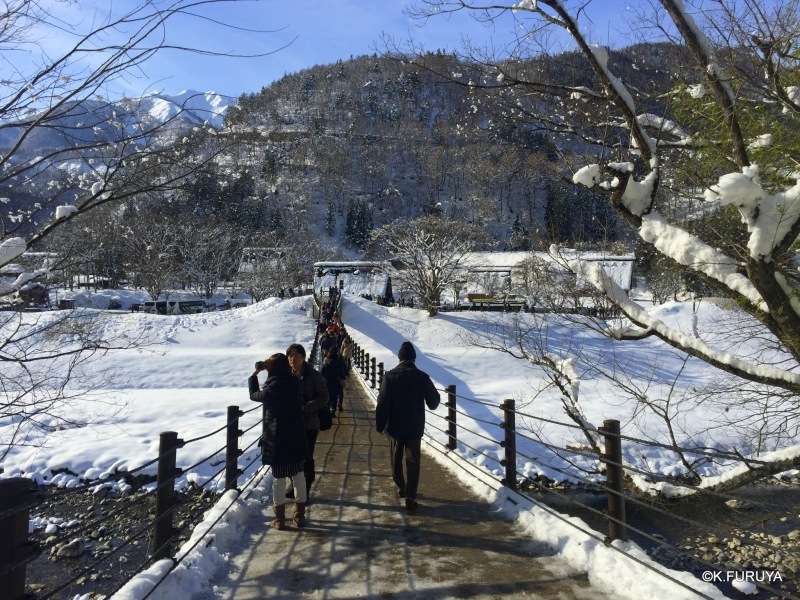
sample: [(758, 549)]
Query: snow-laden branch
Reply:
[(689, 250), (11, 249), (769, 218), (564, 369), (770, 375)]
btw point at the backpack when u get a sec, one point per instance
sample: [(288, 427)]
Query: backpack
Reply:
[(325, 419)]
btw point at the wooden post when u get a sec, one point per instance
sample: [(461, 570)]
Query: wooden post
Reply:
[(373, 372), (17, 496), (452, 439), (617, 527), (365, 365), (232, 452), (510, 444), (161, 546), (380, 373)]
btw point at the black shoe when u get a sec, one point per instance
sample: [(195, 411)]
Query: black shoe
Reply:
[(290, 493), (400, 493), (411, 503), (340, 408)]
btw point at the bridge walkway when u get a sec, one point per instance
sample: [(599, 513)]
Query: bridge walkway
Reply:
[(361, 542)]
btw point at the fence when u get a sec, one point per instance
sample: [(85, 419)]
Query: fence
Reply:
[(372, 372), (19, 495)]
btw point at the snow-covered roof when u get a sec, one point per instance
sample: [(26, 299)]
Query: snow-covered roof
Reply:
[(618, 266), (372, 283), (350, 265)]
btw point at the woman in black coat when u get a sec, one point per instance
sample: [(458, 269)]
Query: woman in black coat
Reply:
[(283, 442)]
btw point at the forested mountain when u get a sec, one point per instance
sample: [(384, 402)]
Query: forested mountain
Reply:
[(346, 147), (319, 159)]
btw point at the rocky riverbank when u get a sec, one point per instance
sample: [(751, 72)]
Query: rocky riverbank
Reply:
[(757, 533), (98, 538)]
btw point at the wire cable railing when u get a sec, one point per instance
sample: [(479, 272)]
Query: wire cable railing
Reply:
[(360, 371), (591, 534), (363, 373)]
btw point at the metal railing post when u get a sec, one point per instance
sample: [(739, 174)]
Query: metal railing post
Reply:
[(380, 373), (452, 428), (510, 444), (232, 451), (161, 546), (365, 365), (17, 496), (617, 527), (373, 372)]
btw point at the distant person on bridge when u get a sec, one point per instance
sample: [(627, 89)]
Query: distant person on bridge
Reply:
[(401, 413), (283, 440), (315, 398), (334, 370)]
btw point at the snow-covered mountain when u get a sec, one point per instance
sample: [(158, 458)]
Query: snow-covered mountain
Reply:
[(102, 121), (189, 106)]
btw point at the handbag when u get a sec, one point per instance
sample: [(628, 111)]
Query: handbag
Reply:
[(325, 419)]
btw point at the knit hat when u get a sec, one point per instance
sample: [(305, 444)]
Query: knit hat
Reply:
[(406, 352)]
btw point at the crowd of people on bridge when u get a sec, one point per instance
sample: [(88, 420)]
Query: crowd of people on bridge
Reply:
[(294, 393)]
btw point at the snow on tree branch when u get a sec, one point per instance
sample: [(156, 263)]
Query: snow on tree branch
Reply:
[(696, 347), (769, 218)]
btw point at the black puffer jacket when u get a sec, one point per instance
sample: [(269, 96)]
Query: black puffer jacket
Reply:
[(284, 436), (401, 401)]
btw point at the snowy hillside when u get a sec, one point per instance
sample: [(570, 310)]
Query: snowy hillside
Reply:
[(101, 120)]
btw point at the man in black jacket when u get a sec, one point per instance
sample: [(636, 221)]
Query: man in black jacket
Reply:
[(401, 413)]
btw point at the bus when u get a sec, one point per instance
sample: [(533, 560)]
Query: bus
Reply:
[(174, 307)]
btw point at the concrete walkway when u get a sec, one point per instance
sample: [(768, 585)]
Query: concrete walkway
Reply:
[(361, 542)]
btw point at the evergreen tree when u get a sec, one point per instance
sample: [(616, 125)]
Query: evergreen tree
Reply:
[(350, 223), (330, 219), (518, 240), (364, 225)]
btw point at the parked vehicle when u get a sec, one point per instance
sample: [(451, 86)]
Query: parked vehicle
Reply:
[(174, 307), (185, 307), (155, 307)]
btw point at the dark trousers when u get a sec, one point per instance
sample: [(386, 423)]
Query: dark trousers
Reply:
[(308, 468), (335, 395), (408, 452)]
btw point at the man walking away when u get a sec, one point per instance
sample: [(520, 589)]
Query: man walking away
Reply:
[(401, 412)]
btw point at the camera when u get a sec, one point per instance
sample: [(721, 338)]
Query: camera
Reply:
[(260, 364)]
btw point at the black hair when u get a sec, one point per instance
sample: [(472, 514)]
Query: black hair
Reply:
[(297, 348)]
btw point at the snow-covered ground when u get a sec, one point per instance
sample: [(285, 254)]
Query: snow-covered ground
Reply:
[(200, 364)]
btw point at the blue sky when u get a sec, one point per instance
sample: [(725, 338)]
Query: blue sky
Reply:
[(317, 32), (301, 34)]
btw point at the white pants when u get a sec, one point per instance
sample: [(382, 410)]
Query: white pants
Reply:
[(279, 489)]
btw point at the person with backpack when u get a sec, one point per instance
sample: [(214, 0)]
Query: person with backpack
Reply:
[(315, 399)]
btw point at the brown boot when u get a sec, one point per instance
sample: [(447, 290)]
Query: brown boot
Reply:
[(300, 514), (279, 522)]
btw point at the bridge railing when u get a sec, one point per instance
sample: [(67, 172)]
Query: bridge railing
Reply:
[(614, 468), (19, 495)]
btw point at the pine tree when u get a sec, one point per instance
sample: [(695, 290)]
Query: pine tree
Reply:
[(330, 219), (350, 223), (518, 240)]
